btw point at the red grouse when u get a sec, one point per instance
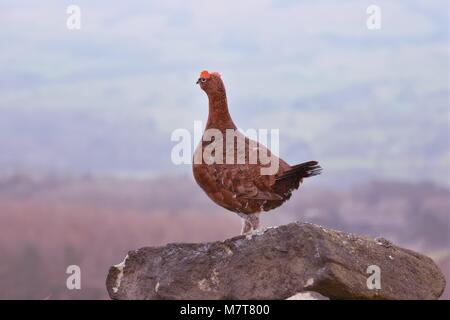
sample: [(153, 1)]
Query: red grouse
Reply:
[(240, 186)]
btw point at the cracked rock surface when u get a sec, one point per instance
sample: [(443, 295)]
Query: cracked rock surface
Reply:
[(277, 263)]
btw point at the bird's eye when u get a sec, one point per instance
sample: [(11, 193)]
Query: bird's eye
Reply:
[(203, 79)]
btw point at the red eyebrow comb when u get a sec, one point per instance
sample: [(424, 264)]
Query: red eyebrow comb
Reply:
[(205, 74)]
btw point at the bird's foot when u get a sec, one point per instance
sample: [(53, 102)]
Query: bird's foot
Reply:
[(250, 224)]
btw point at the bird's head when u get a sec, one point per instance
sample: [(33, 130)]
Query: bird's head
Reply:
[(211, 83)]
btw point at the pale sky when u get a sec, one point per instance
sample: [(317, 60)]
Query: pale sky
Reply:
[(105, 99)]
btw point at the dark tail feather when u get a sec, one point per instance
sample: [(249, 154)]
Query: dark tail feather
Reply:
[(302, 170)]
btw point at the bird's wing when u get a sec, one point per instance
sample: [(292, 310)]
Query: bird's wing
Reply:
[(246, 182)]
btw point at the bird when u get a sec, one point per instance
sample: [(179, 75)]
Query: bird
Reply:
[(241, 187)]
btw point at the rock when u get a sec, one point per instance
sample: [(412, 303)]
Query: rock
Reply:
[(307, 295), (277, 263)]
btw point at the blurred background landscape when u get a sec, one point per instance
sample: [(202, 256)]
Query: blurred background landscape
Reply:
[(86, 118)]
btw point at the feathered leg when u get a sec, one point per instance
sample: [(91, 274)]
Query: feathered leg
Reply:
[(250, 223)]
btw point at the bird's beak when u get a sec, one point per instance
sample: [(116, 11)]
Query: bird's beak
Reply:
[(198, 81)]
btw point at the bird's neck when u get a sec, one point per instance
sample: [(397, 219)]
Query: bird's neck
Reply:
[(219, 117)]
